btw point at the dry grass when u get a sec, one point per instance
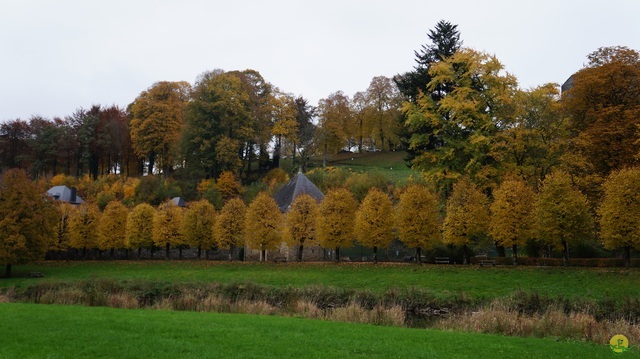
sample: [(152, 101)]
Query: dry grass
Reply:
[(498, 319)]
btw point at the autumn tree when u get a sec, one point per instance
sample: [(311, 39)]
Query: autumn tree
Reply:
[(511, 222), (335, 129), (112, 227), (562, 214), (444, 42), (167, 227), (384, 102), (467, 216), (263, 224), (300, 223), (139, 230), (65, 212), (229, 225), (603, 103), (285, 126), (534, 140), (336, 220), (83, 227), (157, 120), (418, 219), (373, 222), (465, 119), (228, 185), (198, 225), (619, 220), (227, 116), (27, 220)]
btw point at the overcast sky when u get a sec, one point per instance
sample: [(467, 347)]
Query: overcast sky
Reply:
[(60, 55)]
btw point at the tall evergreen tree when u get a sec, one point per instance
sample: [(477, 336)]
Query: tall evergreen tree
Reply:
[(444, 42)]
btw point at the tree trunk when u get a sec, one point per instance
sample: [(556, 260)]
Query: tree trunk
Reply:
[(418, 255), (627, 256), (500, 250), (112, 252), (199, 252), (565, 253), (180, 252), (167, 248), (465, 255), (337, 259), (375, 254), (515, 254), (7, 271), (139, 252), (263, 255), (300, 249), (231, 247), (324, 156), (153, 249)]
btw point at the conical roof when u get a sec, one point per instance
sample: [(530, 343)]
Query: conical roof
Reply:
[(298, 185)]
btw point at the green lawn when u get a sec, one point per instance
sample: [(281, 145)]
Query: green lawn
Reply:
[(49, 331), (443, 280)]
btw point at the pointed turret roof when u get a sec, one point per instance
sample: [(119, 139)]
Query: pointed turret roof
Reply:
[(298, 185)]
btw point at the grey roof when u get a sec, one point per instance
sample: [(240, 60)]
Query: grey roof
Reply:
[(64, 194), (298, 185), (178, 201)]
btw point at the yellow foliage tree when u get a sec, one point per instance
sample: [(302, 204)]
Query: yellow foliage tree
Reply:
[(418, 219), (65, 212), (112, 227), (83, 227), (263, 224), (167, 227), (562, 214), (228, 185), (374, 222), (619, 219), (198, 225), (467, 216), (140, 227), (229, 225), (511, 222), (27, 220), (336, 219), (300, 226)]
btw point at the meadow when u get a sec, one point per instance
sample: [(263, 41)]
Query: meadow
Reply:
[(443, 281), (52, 331)]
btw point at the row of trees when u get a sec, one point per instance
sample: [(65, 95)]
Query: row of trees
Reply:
[(556, 217)]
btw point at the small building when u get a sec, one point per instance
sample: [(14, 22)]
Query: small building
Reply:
[(65, 194), (179, 201), (298, 185)]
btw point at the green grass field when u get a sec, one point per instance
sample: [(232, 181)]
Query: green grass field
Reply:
[(50, 331), (442, 280)]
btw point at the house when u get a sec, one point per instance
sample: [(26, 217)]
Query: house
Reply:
[(179, 201), (298, 185), (65, 194)]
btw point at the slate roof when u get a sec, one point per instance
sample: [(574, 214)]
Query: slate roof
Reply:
[(178, 201), (64, 194), (298, 185)]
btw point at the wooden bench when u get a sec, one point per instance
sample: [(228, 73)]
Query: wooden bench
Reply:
[(280, 259), (487, 262), (442, 260), (345, 259), (36, 275)]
